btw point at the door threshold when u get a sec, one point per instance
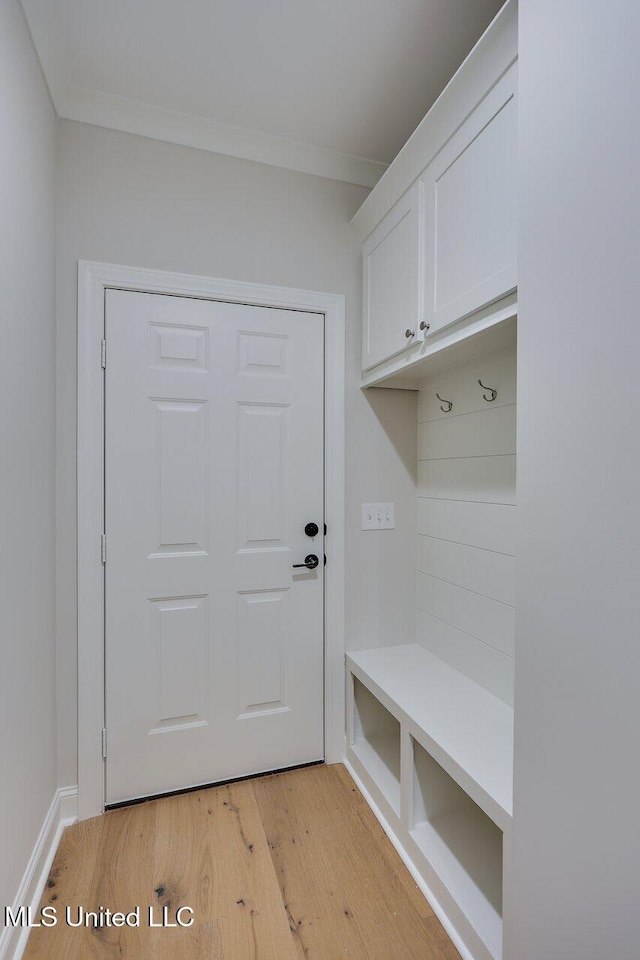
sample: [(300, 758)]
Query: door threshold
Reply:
[(208, 786)]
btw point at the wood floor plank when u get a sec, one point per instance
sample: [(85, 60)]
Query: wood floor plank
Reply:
[(214, 858), (128, 841), (320, 912), (289, 867), (347, 892), (349, 799)]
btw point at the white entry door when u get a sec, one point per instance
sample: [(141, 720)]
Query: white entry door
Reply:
[(213, 468)]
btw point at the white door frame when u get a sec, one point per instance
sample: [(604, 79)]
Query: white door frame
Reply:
[(93, 280)]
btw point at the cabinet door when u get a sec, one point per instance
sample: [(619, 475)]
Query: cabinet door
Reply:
[(470, 211), (392, 281)]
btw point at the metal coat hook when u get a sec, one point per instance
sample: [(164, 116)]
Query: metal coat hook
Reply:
[(445, 409), (494, 393)]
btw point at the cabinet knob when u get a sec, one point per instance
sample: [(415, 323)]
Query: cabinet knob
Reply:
[(409, 333), (424, 325)]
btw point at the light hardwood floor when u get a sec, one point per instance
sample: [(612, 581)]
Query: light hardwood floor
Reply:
[(287, 867)]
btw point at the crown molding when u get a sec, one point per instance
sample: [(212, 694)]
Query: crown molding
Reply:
[(147, 120), (133, 116)]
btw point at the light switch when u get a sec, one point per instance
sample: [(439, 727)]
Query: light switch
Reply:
[(378, 516)]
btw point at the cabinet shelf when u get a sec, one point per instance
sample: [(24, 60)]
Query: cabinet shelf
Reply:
[(488, 330)]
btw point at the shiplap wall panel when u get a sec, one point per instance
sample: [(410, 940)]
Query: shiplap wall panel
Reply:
[(465, 393), (483, 571), (484, 479), (488, 620), (466, 522), (482, 433), (484, 664), (491, 526)]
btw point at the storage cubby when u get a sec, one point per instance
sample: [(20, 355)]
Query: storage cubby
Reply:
[(376, 742), (449, 807), (463, 846)]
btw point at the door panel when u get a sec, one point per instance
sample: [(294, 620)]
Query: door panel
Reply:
[(263, 620), (179, 476), (181, 645), (262, 471), (214, 464)]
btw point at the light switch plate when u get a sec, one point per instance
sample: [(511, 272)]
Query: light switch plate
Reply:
[(378, 516)]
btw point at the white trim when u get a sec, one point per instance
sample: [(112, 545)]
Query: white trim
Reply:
[(93, 280), (68, 801), (424, 888), (149, 120), (62, 812)]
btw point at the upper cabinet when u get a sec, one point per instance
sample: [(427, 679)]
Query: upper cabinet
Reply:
[(393, 280), (470, 212), (439, 230)]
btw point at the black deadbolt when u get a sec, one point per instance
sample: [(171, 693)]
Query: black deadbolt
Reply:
[(311, 529)]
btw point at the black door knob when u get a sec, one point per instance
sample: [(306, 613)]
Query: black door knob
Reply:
[(310, 562), (311, 529)]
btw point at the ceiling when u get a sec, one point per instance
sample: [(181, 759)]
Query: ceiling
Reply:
[(333, 87)]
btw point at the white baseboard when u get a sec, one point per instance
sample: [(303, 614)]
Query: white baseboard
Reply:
[(451, 931), (62, 812)]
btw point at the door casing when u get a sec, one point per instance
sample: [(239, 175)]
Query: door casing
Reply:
[(93, 280)]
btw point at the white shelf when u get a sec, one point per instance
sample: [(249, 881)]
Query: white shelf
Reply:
[(467, 730), (490, 329), (380, 756)]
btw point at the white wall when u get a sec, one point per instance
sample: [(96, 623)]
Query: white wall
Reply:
[(27, 328), (576, 842), (131, 200), (466, 521)]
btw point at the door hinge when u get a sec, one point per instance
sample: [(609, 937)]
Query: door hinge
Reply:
[(103, 547), (103, 354), (104, 743)]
